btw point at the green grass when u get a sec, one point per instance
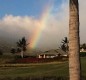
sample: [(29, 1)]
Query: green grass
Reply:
[(39, 69), (83, 65), (52, 69)]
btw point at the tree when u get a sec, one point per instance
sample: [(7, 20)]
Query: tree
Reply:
[(13, 50), (18, 50), (64, 45), (74, 41), (22, 46)]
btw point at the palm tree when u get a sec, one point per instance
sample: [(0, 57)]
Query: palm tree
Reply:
[(64, 45), (22, 46), (74, 41)]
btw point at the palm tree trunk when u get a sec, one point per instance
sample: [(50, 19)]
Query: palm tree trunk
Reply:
[(22, 53), (74, 41)]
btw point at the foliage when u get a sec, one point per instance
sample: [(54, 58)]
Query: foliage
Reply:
[(82, 54), (64, 44), (21, 47), (13, 50), (22, 44), (18, 50), (39, 60)]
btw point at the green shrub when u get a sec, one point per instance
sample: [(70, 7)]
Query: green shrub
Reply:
[(82, 54)]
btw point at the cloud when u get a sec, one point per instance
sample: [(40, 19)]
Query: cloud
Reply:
[(17, 25), (56, 28)]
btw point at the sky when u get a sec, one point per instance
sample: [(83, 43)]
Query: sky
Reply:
[(24, 7), (43, 22)]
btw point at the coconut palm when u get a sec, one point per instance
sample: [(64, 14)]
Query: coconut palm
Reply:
[(64, 45), (22, 46), (74, 41)]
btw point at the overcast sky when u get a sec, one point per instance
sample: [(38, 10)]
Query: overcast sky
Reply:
[(19, 18)]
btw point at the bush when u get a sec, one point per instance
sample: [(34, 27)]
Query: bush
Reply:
[(82, 54), (38, 60), (17, 57)]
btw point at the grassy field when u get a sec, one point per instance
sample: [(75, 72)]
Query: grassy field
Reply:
[(38, 69)]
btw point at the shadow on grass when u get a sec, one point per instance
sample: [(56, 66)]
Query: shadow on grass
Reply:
[(39, 78)]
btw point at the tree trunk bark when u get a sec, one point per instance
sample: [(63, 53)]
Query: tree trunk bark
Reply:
[(74, 41)]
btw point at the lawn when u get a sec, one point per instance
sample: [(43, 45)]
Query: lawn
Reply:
[(38, 69)]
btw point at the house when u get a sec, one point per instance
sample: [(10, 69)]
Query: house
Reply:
[(52, 53), (46, 55), (62, 53), (82, 50)]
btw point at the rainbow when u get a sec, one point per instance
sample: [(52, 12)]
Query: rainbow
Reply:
[(41, 25)]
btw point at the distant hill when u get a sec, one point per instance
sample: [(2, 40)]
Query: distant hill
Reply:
[(6, 44)]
